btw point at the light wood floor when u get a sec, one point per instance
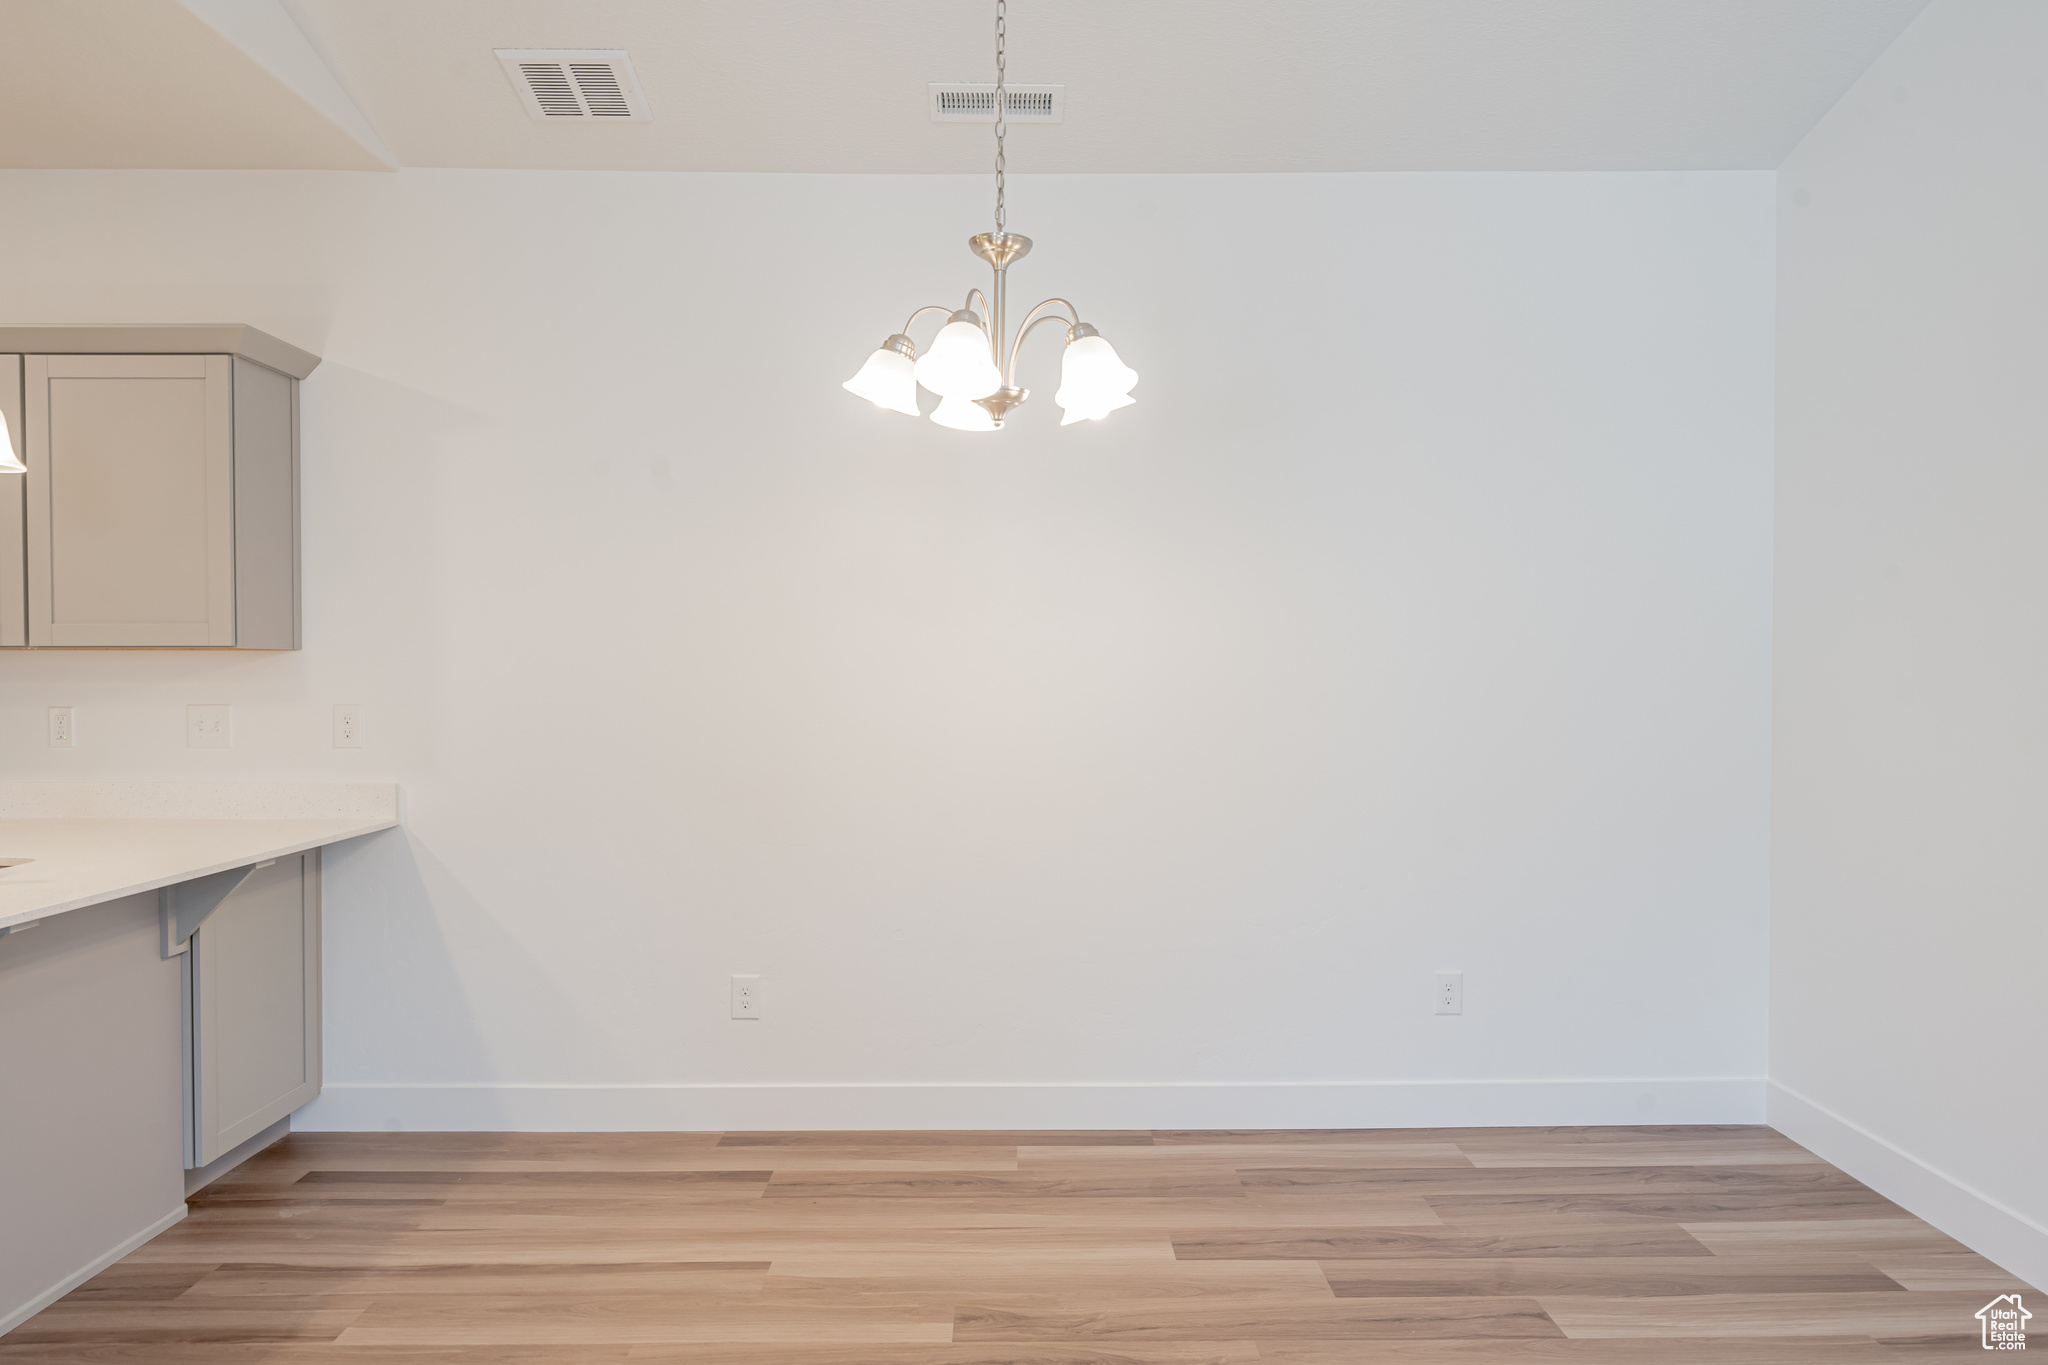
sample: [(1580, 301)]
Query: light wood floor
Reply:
[(1667, 1246)]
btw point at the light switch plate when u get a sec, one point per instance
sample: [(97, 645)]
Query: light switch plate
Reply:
[(209, 727)]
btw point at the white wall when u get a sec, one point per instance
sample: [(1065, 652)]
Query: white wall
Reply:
[(1416, 617), (1908, 939)]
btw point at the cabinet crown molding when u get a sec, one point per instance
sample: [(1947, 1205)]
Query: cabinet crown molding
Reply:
[(176, 338)]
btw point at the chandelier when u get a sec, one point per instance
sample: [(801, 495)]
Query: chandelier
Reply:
[(967, 365)]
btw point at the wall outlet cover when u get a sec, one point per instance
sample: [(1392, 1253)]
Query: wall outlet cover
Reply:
[(1450, 992), (746, 997), (348, 726), (210, 727), (63, 728)]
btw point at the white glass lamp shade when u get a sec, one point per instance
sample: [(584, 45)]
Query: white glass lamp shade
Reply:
[(963, 414), (1074, 415), (1093, 381), (888, 380), (9, 464), (957, 364)]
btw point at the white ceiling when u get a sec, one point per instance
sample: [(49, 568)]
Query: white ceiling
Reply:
[(230, 84), (839, 85)]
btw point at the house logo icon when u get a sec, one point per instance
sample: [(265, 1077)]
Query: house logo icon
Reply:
[(2005, 1323)]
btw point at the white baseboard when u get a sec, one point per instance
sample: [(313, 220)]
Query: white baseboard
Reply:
[(1340, 1104), (1973, 1218), (14, 1317)]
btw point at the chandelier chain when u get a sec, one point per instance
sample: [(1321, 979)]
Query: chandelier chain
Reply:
[(1002, 103)]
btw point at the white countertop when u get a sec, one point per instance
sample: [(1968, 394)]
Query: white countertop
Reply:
[(144, 840)]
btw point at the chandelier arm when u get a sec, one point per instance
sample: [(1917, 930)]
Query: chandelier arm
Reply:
[(1073, 313), (1010, 374), (1032, 319), (928, 308), (991, 320)]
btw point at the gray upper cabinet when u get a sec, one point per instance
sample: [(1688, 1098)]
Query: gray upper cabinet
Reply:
[(13, 523), (161, 506)]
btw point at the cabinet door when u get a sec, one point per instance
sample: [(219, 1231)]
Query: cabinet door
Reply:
[(254, 1006), (13, 523), (131, 500)]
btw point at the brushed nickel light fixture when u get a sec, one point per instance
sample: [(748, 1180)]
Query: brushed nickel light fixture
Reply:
[(967, 366)]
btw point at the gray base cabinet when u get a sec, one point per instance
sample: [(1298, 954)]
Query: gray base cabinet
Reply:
[(252, 1008)]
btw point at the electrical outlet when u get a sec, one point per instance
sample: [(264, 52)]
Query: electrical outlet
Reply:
[(746, 997), (62, 735), (1450, 992), (348, 726), (209, 727)]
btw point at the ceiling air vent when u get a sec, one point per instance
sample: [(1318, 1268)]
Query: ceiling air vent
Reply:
[(954, 103), (579, 83)]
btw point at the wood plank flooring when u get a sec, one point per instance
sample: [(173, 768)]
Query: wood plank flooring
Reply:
[(1590, 1246)]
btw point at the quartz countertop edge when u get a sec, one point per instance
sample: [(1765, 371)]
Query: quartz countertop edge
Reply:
[(93, 843), (27, 892)]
